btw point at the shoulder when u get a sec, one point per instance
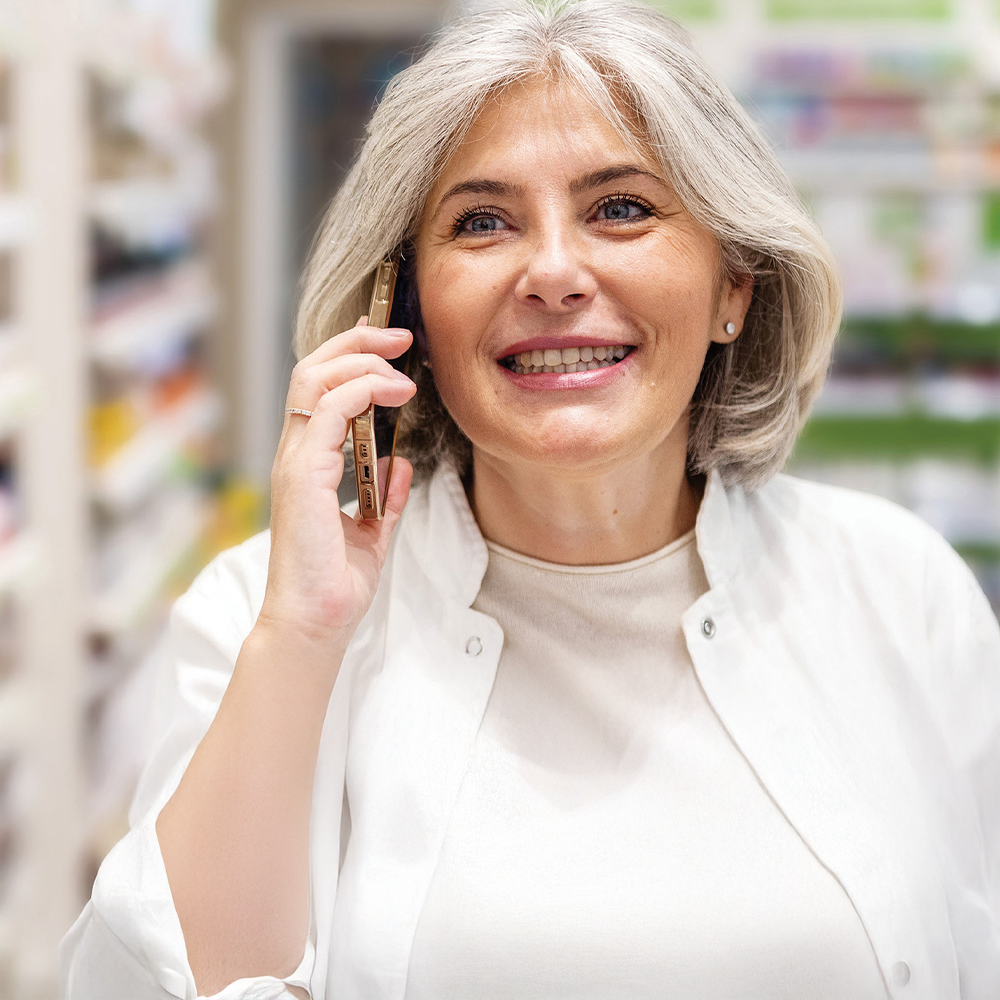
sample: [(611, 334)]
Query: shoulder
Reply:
[(819, 506), (825, 538), (816, 515), (225, 598)]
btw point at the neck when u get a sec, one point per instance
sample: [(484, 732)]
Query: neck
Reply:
[(576, 518)]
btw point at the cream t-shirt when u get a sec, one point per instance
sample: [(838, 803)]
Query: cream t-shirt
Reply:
[(609, 840)]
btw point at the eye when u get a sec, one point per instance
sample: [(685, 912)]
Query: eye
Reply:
[(622, 208), (478, 221)]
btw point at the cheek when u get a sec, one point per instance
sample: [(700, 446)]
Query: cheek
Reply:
[(457, 303), (449, 329), (671, 285), (444, 309)]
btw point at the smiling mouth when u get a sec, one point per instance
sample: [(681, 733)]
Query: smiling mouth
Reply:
[(569, 359)]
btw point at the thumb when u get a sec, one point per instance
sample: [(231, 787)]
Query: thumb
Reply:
[(398, 491), (397, 494)]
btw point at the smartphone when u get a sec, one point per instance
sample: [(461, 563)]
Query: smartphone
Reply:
[(371, 502)]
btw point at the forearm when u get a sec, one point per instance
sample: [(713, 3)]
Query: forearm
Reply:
[(235, 835)]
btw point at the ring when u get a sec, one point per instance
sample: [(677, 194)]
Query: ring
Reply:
[(295, 409)]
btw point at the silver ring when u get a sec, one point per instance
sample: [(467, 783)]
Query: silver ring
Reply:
[(295, 409)]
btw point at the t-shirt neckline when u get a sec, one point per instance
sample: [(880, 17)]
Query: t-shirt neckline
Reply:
[(670, 549)]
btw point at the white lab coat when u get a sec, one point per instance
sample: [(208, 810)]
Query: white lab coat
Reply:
[(844, 646)]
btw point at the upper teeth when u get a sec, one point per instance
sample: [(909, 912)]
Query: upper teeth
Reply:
[(569, 359)]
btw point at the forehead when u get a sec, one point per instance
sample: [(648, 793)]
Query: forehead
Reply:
[(542, 125)]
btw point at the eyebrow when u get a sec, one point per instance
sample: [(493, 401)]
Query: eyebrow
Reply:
[(498, 189), (614, 173), (504, 189)]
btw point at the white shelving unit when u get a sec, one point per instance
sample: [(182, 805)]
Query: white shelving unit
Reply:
[(157, 413), (48, 324), (87, 573), (16, 219)]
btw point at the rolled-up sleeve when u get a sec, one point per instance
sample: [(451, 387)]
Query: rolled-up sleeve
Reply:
[(127, 943)]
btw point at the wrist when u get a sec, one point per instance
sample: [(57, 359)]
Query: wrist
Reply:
[(293, 655), (302, 626)]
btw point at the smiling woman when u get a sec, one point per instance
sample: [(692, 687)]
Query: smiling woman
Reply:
[(669, 121), (581, 244), (610, 708)]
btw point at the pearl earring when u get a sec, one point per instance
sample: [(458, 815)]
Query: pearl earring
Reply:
[(730, 328)]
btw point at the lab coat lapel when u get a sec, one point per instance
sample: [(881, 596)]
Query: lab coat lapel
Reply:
[(414, 719), (828, 767)]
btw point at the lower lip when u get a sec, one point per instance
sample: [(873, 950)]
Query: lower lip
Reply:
[(569, 380)]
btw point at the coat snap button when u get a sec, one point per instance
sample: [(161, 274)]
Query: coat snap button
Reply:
[(707, 628), (474, 646), (901, 973)]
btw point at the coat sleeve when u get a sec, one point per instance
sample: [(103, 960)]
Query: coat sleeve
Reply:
[(965, 643), (128, 944)]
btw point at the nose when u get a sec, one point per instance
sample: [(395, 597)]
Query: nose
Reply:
[(556, 276)]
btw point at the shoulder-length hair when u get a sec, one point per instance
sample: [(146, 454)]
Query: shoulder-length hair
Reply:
[(640, 69)]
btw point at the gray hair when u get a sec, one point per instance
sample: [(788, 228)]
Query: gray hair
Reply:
[(755, 392)]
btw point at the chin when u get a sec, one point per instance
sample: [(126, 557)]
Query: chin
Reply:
[(578, 450)]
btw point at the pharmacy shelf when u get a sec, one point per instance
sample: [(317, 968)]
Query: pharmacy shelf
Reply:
[(880, 171), (918, 336), (122, 605), (148, 209), (16, 221), (19, 560), (155, 326), (16, 715), (11, 345), (20, 395), (949, 396), (133, 472), (899, 437)]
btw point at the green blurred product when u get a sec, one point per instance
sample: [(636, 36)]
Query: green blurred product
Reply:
[(899, 438), (860, 10), (688, 10)]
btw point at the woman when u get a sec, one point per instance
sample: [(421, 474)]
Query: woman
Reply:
[(609, 710)]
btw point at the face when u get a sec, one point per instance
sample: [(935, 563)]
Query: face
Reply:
[(567, 296)]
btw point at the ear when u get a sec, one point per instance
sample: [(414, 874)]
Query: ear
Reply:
[(734, 302)]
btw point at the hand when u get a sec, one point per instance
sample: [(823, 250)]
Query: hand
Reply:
[(325, 566)]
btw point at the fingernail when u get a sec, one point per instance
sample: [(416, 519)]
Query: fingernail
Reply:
[(401, 376), (397, 332)]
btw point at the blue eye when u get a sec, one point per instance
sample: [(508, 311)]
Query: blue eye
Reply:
[(477, 222), (483, 224), (621, 210)]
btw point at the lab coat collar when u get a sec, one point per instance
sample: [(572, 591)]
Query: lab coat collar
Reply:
[(445, 540), (715, 530)]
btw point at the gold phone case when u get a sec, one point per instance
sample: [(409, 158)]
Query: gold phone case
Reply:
[(370, 500)]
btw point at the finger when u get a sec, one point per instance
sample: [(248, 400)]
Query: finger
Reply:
[(308, 384), (362, 339), (327, 427), (398, 490)]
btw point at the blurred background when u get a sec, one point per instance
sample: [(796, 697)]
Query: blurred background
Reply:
[(163, 166)]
